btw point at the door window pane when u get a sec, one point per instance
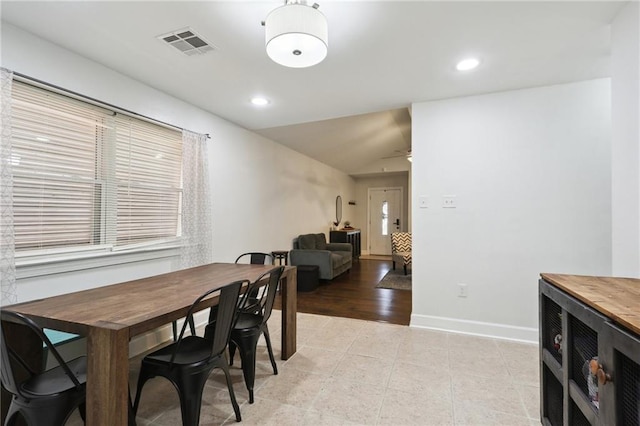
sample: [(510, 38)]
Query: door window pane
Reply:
[(385, 218)]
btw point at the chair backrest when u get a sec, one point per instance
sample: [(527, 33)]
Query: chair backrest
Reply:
[(400, 242), (226, 314), (310, 242), (268, 296), (10, 380), (257, 258)]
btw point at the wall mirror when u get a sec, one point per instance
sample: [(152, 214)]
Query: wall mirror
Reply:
[(338, 210)]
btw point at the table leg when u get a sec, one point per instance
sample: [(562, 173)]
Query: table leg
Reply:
[(289, 287), (107, 375)]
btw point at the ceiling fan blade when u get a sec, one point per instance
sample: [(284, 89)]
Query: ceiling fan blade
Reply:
[(400, 153)]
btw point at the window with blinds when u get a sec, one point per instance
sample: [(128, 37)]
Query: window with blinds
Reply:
[(147, 172), (87, 176)]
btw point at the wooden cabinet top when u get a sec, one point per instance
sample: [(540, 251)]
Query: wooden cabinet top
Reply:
[(347, 230), (616, 298)]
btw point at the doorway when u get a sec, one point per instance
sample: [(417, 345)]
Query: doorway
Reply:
[(385, 213)]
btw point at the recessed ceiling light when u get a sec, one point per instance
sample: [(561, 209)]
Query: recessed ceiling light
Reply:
[(259, 101), (467, 64)]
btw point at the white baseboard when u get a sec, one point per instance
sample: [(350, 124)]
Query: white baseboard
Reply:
[(476, 328)]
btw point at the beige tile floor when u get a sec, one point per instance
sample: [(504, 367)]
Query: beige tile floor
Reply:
[(353, 372)]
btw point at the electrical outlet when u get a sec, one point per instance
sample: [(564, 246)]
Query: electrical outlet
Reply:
[(463, 290)]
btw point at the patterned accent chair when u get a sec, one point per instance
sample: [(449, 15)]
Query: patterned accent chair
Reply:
[(401, 249)]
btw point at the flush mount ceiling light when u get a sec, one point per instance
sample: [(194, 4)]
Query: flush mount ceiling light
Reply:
[(259, 101), (296, 35), (467, 64)]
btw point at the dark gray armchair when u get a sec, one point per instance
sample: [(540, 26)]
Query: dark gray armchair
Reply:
[(313, 249)]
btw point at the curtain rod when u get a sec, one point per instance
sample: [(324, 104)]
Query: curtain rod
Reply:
[(97, 102)]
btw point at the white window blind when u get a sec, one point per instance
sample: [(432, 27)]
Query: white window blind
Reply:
[(148, 165), (84, 175), (56, 190)]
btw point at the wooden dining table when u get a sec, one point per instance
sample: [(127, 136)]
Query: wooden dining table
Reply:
[(110, 316)]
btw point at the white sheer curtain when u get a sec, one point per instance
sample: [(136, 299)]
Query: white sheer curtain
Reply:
[(7, 242), (197, 246)]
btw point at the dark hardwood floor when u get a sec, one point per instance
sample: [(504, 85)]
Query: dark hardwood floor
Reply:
[(354, 295)]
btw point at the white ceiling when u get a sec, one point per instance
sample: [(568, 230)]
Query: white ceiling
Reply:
[(382, 57)]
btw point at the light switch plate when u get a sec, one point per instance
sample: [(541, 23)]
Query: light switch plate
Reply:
[(449, 202), (423, 202)]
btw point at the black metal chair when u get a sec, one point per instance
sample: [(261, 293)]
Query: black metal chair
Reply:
[(251, 323), (188, 362), (41, 398), (174, 328), (257, 258)]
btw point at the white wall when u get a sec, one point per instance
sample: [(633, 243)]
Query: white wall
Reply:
[(264, 194), (625, 94), (531, 171)]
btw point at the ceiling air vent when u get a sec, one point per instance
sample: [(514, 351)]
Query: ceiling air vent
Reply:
[(188, 42)]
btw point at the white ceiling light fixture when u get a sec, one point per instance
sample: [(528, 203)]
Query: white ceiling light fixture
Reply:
[(468, 64), (259, 101), (296, 35)]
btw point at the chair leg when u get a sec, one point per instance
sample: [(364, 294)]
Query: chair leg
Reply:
[(234, 402), (247, 345), (270, 350), (82, 408), (394, 265), (405, 269), (190, 389), (12, 416), (130, 416), (142, 379)]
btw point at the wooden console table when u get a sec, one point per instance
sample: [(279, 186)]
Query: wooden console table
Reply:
[(351, 236), (110, 316)]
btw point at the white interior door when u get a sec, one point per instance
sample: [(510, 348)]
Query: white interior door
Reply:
[(385, 211)]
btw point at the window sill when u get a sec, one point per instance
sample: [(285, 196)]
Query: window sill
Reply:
[(36, 266)]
